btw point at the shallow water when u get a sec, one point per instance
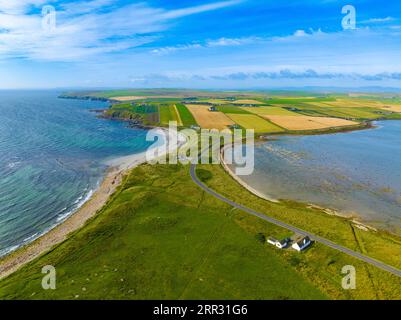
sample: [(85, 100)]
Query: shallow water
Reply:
[(357, 173), (52, 156)]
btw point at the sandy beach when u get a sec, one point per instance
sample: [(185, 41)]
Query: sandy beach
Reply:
[(118, 168), (112, 180), (242, 182)]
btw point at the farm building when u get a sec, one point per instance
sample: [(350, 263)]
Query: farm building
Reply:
[(281, 244), (302, 244)]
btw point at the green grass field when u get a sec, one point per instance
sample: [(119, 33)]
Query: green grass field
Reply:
[(250, 121), (161, 237), (296, 100), (359, 108), (168, 113), (186, 116), (322, 265), (232, 110)]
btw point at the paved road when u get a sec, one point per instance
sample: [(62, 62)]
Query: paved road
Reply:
[(324, 241)]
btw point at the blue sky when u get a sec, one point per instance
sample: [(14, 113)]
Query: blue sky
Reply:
[(199, 44)]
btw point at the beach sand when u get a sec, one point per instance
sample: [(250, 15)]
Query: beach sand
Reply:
[(14, 261), (242, 182)]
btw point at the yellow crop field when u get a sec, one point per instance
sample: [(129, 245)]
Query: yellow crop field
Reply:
[(249, 121), (217, 101), (247, 102), (393, 108), (134, 98), (308, 123), (343, 103), (208, 119), (274, 111)]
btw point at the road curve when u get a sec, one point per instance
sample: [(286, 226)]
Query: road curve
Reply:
[(324, 241)]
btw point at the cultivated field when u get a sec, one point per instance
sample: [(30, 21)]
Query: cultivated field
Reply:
[(209, 120), (274, 111), (249, 121), (134, 98), (186, 116), (393, 108), (247, 102), (349, 103), (169, 113), (343, 112), (308, 123)]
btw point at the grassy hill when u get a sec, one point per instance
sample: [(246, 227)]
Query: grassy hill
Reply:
[(161, 237)]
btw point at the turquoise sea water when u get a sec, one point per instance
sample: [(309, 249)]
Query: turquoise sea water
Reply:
[(52, 154), (356, 173)]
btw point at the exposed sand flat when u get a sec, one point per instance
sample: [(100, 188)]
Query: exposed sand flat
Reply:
[(208, 119), (308, 123), (134, 98)]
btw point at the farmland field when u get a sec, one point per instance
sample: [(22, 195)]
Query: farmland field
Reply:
[(354, 103), (207, 119), (134, 98), (308, 123), (393, 108), (186, 116), (232, 109), (274, 111), (247, 102), (169, 113), (358, 113), (249, 121)]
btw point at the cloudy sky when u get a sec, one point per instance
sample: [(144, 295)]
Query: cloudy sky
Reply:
[(198, 43)]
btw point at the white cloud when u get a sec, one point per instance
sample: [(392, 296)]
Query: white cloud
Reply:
[(19, 6), (84, 28), (199, 9), (300, 33), (221, 42), (379, 20)]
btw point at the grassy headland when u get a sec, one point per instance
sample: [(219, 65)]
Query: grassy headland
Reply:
[(162, 237)]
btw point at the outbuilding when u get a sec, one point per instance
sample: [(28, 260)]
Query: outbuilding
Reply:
[(302, 244)]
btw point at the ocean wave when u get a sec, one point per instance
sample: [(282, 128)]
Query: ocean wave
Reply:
[(79, 203)]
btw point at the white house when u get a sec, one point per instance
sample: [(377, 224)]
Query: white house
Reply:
[(302, 244), (281, 244), (272, 241)]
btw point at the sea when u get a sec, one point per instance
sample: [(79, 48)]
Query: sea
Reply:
[(53, 155), (357, 174)]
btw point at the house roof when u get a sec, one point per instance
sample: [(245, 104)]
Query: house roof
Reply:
[(303, 241)]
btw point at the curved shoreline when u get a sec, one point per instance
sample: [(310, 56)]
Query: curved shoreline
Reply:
[(117, 169), (358, 223), (242, 182), (25, 254)]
